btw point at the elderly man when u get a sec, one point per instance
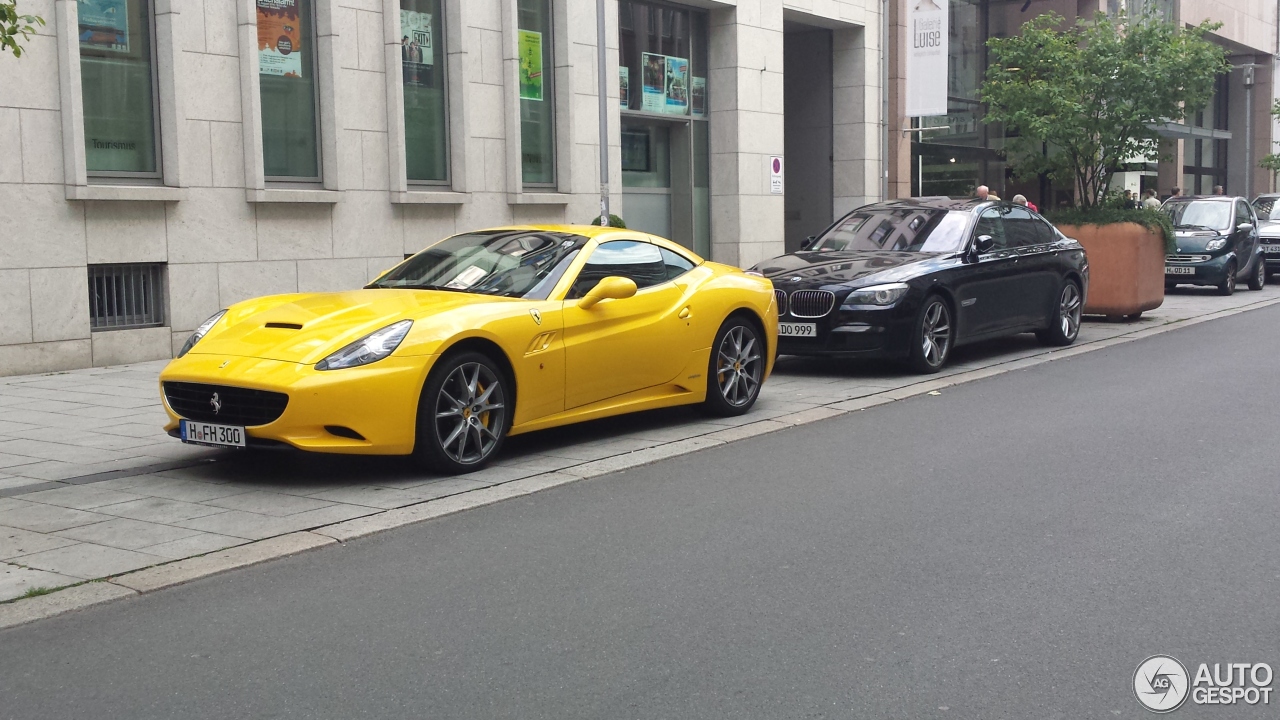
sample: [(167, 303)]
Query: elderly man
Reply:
[(984, 193)]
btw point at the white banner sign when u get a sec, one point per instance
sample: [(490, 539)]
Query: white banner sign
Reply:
[(927, 39)]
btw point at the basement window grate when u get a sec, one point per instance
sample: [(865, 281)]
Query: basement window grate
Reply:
[(126, 296)]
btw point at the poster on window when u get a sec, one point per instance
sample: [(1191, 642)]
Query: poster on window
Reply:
[(653, 71), (417, 50), (624, 87), (104, 25), (926, 66), (677, 86), (698, 90), (531, 79), (279, 38)]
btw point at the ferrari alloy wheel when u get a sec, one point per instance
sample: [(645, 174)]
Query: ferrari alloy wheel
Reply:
[(933, 337), (1064, 326), (1228, 285), (1258, 279), (737, 368), (463, 415)]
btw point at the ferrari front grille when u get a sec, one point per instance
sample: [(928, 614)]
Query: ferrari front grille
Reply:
[(812, 303), (224, 404)]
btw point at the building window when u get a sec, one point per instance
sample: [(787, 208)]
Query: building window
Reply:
[(287, 75), (537, 93), (426, 111), (118, 88), (126, 296)]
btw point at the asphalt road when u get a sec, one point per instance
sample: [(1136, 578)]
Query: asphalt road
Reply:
[(1012, 548)]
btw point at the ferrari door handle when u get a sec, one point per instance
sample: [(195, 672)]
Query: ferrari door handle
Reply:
[(685, 313)]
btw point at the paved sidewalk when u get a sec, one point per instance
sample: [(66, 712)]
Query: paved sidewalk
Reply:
[(92, 487)]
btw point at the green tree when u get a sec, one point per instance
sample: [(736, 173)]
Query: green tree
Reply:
[(1272, 162), (1092, 92), (13, 26)]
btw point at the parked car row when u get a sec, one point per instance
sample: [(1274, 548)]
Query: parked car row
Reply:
[(499, 332)]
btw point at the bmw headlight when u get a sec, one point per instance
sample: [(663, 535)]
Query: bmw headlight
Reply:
[(370, 348), (200, 332), (1216, 244), (883, 295)]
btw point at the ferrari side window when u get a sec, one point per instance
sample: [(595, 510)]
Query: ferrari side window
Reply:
[(677, 265), (640, 261)]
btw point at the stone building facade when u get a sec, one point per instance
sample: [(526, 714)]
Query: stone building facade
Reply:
[(161, 159)]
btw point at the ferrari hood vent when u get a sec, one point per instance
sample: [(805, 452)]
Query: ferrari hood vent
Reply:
[(284, 325)]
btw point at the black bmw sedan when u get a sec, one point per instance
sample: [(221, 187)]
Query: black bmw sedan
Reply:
[(912, 279)]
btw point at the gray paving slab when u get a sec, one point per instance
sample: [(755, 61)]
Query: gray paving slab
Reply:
[(159, 510), (197, 544), (126, 534), (88, 561), (16, 581), (80, 497), (15, 542), (192, 491), (269, 503), (48, 518)]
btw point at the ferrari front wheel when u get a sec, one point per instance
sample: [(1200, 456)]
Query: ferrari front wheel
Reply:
[(463, 415), (736, 370)]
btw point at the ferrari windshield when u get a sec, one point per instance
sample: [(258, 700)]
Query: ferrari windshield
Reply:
[(509, 263), (898, 229), (1207, 214)]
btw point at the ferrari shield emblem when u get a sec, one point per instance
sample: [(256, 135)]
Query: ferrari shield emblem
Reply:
[(537, 316)]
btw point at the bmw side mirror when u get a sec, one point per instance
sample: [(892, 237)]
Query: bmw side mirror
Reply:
[(984, 243), (808, 242)]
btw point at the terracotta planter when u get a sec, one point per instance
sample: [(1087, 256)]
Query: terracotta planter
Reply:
[(1126, 268)]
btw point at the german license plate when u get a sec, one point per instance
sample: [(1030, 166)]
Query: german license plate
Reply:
[(1271, 249), (1175, 270), (198, 433), (797, 329)]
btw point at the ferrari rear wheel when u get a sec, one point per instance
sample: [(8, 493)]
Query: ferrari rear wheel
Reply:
[(736, 370), (463, 415)]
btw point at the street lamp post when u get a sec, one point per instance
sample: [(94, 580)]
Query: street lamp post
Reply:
[(602, 91)]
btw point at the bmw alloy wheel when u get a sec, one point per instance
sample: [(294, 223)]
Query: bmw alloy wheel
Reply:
[(739, 366), (1069, 309), (935, 333), (470, 414)]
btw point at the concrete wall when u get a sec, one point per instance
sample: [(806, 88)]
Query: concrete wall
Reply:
[(226, 234)]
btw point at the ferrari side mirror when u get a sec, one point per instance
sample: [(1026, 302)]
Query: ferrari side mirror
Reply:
[(610, 288)]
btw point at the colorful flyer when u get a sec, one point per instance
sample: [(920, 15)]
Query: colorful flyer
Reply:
[(530, 65), (699, 91), (417, 51), (653, 68), (677, 86), (624, 87), (279, 38), (104, 25)]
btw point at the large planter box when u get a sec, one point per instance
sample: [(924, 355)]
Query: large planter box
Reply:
[(1126, 268)]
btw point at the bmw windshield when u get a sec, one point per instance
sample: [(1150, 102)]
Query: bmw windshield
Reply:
[(508, 263), (897, 229)]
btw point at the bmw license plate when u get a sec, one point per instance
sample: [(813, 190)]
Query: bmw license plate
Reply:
[(1271, 249), (786, 329), (1175, 270), (198, 433)]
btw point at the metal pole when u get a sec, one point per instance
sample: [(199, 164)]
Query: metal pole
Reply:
[(1248, 131), (603, 93), (884, 100)]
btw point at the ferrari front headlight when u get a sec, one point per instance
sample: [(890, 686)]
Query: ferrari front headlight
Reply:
[(883, 295), (368, 349), (200, 332)]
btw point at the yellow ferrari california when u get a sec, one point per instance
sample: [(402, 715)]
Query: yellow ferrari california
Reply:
[(480, 336)]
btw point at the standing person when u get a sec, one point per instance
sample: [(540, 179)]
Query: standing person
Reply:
[(1151, 202), (1129, 204), (984, 193), (1217, 190), (1022, 200), (1176, 192)]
